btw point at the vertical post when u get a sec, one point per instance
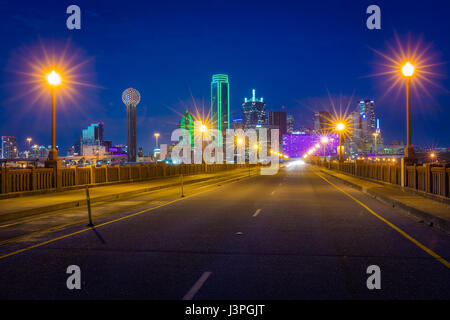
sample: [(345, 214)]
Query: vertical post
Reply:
[(324, 156), (403, 173), (409, 150), (182, 186), (4, 173), (408, 113), (53, 155), (88, 200)]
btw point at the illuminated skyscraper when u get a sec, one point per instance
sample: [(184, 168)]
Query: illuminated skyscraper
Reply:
[(367, 112), (93, 134), (290, 123), (322, 121), (9, 147), (187, 123), (220, 103), (131, 98), (254, 111)]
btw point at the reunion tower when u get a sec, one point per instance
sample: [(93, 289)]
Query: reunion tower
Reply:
[(131, 98)]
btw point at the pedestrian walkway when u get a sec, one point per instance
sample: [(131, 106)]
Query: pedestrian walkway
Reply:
[(13, 208), (432, 212)]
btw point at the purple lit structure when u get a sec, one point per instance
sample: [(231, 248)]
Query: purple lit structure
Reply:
[(296, 144)]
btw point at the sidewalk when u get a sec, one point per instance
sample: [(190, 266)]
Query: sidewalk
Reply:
[(13, 208), (432, 212)]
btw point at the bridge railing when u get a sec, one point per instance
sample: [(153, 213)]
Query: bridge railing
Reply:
[(431, 178), (36, 179)]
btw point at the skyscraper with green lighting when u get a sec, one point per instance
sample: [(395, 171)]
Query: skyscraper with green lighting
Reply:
[(220, 103), (187, 123)]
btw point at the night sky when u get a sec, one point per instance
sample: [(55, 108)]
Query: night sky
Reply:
[(294, 53)]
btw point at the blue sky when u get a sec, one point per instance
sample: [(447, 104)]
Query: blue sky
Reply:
[(293, 53)]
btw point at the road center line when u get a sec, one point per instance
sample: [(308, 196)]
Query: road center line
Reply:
[(257, 212), (191, 293), (403, 233)]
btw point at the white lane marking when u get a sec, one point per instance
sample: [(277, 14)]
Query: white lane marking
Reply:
[(257, 212), (197, 286)]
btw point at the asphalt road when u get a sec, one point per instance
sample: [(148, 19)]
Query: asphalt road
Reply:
[(289, 236)]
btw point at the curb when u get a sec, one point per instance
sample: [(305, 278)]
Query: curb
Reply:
[(431, 220), (79, 203)]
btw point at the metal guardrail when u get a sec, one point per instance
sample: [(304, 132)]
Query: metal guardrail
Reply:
[(35, 179), (431, 178)]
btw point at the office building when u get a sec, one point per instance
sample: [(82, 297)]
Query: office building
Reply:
[(290, 123), (220, 103), (9, 147), (187, 123), (254, 111), (322, 122), (93, 134)]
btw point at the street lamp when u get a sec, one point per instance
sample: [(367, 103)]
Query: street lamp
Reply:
[(408, 71), (324, 142), (433, 156), (54, 80), (340, 127), (156, 137)]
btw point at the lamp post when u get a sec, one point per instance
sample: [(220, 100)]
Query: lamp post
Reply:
[(340, 127), (203, 129), (156, 137), (408, 71), (54, 79), (324, 142)]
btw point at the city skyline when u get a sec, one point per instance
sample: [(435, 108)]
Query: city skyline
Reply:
[(160, 109)]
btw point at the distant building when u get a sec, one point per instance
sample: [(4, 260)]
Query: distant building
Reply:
[(220, 103), (77, 146), (297, 143), (322, 121), (93, 134), (238, 124), (39, 151), (290, 123), (367, 112), (91, 142), (187, 123), (279, 119), (9, 147), (93, 150), (254, 111)]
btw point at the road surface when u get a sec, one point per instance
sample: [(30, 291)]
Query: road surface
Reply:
[(296, 235)]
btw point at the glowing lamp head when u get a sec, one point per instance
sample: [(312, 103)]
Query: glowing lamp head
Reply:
[(156, 134), (255, 146), (53, 78), (433, 155), (240, 140), (202, 128), (340, 126), (324, 140), (408, 69), (317, 145)]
